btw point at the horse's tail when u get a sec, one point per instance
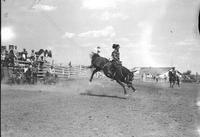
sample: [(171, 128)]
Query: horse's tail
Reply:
[(89, 67)]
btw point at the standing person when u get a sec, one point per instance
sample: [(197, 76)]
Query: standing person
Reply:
[(3, 54), (6, 61), (98, 50), (157, 77), (178, 80), (116, 63), (172, 77)]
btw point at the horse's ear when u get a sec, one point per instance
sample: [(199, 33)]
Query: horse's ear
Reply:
[(134, 71)]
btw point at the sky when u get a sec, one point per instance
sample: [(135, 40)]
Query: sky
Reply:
[(151, 33)]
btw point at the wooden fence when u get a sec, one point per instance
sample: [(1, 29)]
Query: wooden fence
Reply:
[(65, 72)]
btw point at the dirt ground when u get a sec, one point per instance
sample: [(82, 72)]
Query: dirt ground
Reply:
[(76, 108)]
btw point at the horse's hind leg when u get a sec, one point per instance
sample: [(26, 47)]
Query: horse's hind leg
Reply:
[(122, 86), (170, 84), (96, 70)]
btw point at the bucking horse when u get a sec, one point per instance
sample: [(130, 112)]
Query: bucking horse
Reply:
[(103, 64)]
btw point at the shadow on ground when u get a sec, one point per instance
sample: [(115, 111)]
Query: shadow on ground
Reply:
[(97, 95)]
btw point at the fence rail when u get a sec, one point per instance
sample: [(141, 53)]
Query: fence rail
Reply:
[(66, 72)]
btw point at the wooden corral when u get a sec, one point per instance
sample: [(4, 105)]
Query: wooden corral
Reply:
[(65, 72), (62, 72)]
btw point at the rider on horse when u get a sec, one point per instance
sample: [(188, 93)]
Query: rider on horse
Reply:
[(173, 71), (116, 63)]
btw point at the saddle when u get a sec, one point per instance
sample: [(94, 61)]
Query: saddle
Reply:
[(112, 68)]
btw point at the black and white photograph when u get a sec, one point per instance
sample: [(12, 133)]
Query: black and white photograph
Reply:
[(100, 68)]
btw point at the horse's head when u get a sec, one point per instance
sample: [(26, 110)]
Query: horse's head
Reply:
[(94, 55)]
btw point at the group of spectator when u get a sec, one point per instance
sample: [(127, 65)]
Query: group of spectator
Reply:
[(10, 56), (24, 66)]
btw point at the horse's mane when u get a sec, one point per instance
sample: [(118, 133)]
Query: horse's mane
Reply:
[(94, 55), (126, 69)]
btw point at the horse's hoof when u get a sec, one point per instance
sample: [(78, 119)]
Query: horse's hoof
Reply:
[(126, 95)]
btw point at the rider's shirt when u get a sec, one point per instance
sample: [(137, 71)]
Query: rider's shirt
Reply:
[(174, 72), (115, 55)]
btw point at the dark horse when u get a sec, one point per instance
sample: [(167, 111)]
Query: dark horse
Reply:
[(173, 79), (101, 63)]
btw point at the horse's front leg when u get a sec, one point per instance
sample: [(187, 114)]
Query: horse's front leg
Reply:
[(122, 86), (170, 84), (96, 70), (173, 84), (130, 85)]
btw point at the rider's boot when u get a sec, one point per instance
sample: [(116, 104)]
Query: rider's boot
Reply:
[(112, 76)]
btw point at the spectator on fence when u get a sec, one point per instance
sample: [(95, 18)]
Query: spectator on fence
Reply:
[(3, 51), (3, 56), (37, 56), (25, 69), (70, 64), (12, 58), (50, 54), (33, 56), (41, 58), (6, 60), (45, 54), (52, 71), (41, 61), (24, 55), (16, 52), (34, 73), (28, 74), (20, 55)]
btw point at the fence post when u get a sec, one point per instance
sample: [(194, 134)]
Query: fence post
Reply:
[(80, 70), (69, 72)]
